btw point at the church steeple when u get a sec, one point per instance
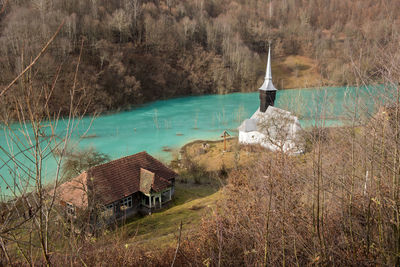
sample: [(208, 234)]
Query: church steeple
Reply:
[(267, 90)]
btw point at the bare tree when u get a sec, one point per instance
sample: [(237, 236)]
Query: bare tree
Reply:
[(121, 22), (38, 138)]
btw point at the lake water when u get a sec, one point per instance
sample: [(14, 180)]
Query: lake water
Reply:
[(169, 124)]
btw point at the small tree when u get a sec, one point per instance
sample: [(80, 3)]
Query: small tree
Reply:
[(282, 131), (80, 161)]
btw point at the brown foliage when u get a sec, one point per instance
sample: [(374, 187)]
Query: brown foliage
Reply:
[(134, 48), (279, 211)]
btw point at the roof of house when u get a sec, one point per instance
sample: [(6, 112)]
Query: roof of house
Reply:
[(120, 178), (74, 191)]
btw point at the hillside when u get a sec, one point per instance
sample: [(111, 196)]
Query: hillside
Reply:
[(334, 202), (137, 51)]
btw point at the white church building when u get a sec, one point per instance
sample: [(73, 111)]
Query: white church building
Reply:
[(271, 127)]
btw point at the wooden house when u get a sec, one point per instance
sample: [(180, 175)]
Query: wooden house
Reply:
[(122, 187)]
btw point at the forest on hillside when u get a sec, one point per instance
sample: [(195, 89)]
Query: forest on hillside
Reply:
[(141, 50), (336, 204)]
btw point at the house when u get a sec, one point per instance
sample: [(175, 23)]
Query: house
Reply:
[(122, 187), (271, 127)]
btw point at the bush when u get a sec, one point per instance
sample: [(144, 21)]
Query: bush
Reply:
[(80, 161)]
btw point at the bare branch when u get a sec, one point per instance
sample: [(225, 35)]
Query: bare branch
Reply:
[(35, 60), (177, 245)]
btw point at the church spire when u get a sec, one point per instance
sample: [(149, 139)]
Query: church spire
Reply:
[(268, 75), (267, 85), (267, 89)]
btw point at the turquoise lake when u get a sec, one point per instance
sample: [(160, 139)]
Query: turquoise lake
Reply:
[(169, 124)]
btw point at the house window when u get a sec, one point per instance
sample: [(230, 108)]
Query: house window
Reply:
[(109, 211), (166, 195), (70, 209), (110, 208), (126, 203)]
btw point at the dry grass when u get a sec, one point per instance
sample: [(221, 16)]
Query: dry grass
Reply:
[(214, 158), (296, 72)]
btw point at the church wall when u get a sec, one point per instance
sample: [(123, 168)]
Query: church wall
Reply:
[(254, 137)]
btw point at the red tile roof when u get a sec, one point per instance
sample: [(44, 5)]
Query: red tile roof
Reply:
[(150, 181), (160, 184), (119, 178), (74, 191)]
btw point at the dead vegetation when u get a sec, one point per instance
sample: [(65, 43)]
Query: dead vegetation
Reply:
[(136, 47), (211, 157), (336, 205)]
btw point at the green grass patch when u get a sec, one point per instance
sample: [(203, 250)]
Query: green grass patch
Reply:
[(159, 229)]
